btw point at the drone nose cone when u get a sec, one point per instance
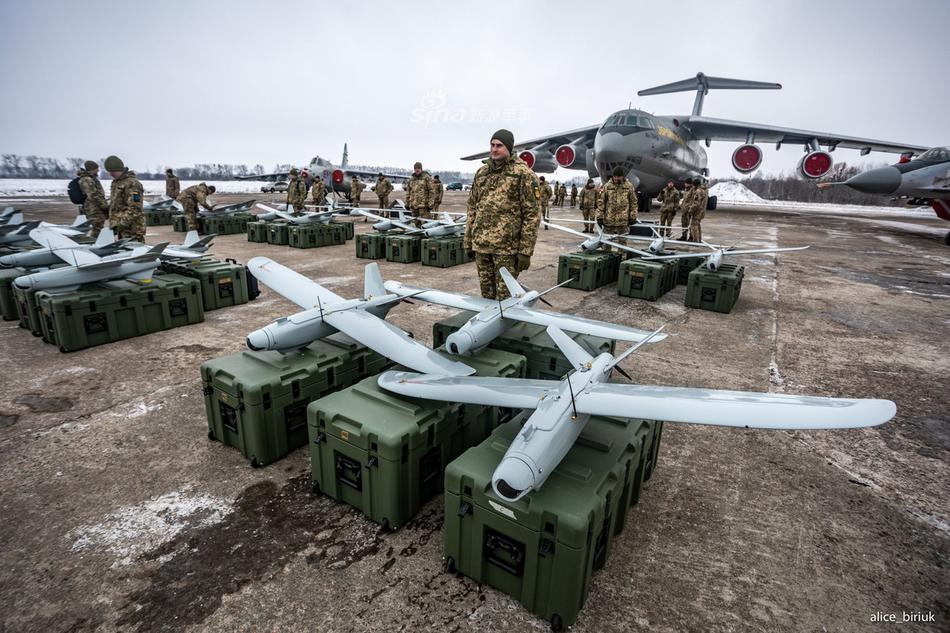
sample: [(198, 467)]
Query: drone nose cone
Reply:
[(258, 341), (24, 283), (882, 180), (460, 342), (8, 260), (513, 479)]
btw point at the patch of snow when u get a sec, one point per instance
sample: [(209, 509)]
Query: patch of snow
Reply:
[(26, 188), (732, 192)]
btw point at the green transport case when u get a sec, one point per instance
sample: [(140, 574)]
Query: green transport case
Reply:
[(589, 270), (315, 235), (179, 223), (161, 217), (349, 229), (443, 252), (257, 232), (686, 266), (716, 291), (257, 401), (385, 454), (223, 283), (28, 310), (8, 307), (543, 549), (371, 245), (645, 279), (278, 233), (404, 249)]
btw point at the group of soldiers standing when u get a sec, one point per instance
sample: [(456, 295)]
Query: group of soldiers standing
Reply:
[(124, 207), (692, 203), (559, 193)]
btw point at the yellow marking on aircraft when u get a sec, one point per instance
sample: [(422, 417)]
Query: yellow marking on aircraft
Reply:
[(670, 134)]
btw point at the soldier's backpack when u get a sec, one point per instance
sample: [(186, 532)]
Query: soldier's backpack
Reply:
[(76, 196)]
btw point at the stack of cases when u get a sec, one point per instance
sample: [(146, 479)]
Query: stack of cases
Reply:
[(371, 245), (180, 224), (385, 454), (315, 235), (257, 401), (645, 279), (101, 313), (443, 252), (278, 233), (257, 232), (686, 266), (404, 249), (223, 284), (349, 229), (543, 549), (716, 291), (545, 360), (226, 224), (28, 311), (589, 270), (159, 218)]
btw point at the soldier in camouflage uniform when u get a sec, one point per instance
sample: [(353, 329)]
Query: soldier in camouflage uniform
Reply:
[(588, 201), (546, 194), (669, 204), (172, 184), (561, 193), (686, 204), (95, 208), (437, 190), (383, 189), (126, 216), (699, 212), (296, 191), (503, 216), (356, 190), (573, 195), (419, 192), (318, 191), (193, 197), (618, 206)]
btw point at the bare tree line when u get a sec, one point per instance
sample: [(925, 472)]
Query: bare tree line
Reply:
[(793, 188)]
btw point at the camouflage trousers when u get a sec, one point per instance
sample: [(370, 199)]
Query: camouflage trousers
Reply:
[(684, 222), (666, 219), (545, 213), (191, 213), (490, 281), (695, 228), (422, 214), (355, 199), (616, 229), (383, 202), (95, 215), (129, 225), (573, 201), (435, 208), (589, 215), (298, 205)]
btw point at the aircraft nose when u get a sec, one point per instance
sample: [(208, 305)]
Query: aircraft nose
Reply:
[(882, 180), (459, 342), (24, 283), (512, 478), (258, 341), (8, 260)]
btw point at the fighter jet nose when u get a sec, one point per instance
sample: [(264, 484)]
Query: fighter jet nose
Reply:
[(460, 342), (513, 479), (882, 180), (257, 341)]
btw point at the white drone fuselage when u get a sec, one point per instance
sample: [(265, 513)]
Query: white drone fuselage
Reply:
[(300, 329), (486, 326)]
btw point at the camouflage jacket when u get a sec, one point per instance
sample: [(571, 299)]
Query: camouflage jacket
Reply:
[(561, 191), (383, 187), (573, 192), (125, 197), (318, 190), (700, 198), (546, 193), (618, 204), (669, 199), (588, 197), (196, 194), (296, 190), (172, 186), (356, 189), (503, 209), (92, 189), (686, 202), (419, 191), (437, 189)]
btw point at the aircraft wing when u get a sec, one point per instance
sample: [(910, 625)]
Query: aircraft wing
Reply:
[(291, 284), (728, 252), (580, 325), (732, 408), (282, 175), (388, 340), (581, 136), (373, 174), (725, 130), (403, 225), (63, 247), (449, 299), (517, 393)]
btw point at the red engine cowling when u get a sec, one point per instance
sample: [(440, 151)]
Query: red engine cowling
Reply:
[(338, 176), (571, 156), (747, 158), (815, 164), (542, 163)]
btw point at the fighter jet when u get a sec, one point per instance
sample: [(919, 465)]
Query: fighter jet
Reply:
[(494, 318), (443, 227), (714, 258), (105, 245), (652, 150), (87, 267), (924, 180), (325, 313), (270, 213), (562, 408)]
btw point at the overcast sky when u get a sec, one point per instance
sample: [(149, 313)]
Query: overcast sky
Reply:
[(176, 83)]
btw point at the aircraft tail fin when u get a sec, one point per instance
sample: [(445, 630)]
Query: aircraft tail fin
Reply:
[(578, 356), (346, 159), (702, 84), (514, 288), (373, 282), (80, 220)]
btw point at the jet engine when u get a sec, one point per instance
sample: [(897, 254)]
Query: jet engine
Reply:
[(542, 163), (337, 176), (747, 158), (815, 164), (571, 156)]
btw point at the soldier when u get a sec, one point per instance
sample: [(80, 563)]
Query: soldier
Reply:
[(172, 184), (95, 208), (561, 193), (700, 198), (573, 195), (554, 198), (193, 197), (546, 194), (503, 215), (383, 189), (437, 190), (669, 204), (296, 191), (419, 192), (588, 200), (318, 191), (686, 204), (356, 190), (125, 201), (618, 205)]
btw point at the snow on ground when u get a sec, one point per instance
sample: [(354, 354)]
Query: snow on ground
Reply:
[(732, 192), (30, 188)]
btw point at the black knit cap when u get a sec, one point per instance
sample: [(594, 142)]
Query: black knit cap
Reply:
[(618, 171), (506, 137)]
